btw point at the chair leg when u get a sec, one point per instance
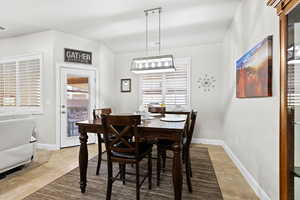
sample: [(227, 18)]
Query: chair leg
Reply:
[(137, 181), (124, 173), (158, 167), (190, 163), (109, 180), (150, 171), (99, 153), (164, 157), (187, 171), (183, 154)]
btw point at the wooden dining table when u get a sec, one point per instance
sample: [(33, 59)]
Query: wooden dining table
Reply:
[(150, 129)]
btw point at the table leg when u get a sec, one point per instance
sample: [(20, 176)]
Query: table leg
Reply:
[(83, 159), (177, 172)]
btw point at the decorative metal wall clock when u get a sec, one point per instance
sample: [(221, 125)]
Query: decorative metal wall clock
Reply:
[(207, 83)]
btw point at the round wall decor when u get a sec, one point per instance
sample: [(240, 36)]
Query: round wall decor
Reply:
[(206, 82)]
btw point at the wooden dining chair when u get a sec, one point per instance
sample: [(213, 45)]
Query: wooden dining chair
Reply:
[(123, 151), (97, 115), (164, 145)]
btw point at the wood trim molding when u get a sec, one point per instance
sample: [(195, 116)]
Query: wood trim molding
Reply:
[(283, 6), (273, 3), (284, 162)]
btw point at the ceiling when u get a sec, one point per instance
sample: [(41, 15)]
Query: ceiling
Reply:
[(120, 24)]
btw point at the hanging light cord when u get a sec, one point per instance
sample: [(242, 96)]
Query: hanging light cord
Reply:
[(159, 29), (146, 13)]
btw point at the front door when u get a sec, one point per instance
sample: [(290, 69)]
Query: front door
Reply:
[(77, 100)]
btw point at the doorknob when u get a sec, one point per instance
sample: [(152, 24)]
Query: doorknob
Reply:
[(63, 112), (63, 106)]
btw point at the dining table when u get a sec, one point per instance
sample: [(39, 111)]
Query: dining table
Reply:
[(153, 129)]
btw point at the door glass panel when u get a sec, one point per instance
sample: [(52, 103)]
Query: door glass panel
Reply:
[(293, 69), (77, 102)]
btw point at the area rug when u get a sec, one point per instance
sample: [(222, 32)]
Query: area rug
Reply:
[(204, 181)]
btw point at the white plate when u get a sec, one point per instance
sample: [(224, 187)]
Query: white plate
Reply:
[(155, 114), (172, 119)]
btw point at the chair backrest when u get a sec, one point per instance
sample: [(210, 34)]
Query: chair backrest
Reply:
[(192, 127), (155, 109), (120, 142), (98, 112)]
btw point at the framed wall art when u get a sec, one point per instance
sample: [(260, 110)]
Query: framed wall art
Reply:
[(126, 85), (254, 71)]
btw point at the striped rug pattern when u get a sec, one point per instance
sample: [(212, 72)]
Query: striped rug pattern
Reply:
[(204, 181)]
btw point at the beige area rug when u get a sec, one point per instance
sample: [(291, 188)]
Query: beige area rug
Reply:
[(204, 181)]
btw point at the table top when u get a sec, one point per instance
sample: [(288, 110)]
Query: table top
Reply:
[(154, 123)]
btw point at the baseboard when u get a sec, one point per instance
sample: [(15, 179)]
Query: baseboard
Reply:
[(247, 175), (207, 141), (47, 146)]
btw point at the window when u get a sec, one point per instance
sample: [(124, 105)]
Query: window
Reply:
[(20, 84), (172, 88)]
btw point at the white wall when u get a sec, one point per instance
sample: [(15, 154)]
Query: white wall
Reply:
[(106, 77), (52, 44), (251, 126), (206, 59)]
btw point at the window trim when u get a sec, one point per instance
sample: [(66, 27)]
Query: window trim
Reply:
[(24, 110), (188, 62)]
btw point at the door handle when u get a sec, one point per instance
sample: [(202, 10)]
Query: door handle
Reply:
[(63, 112)]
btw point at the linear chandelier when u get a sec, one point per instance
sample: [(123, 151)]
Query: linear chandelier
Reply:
[(153, 64)]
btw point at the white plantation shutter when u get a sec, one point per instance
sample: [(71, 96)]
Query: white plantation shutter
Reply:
[(172, 88), (8, 83), (20, 84), (152, 88), (177, 86), (30, 82)]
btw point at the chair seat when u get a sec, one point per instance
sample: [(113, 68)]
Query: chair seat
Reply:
[(144, 148), (167, 144)]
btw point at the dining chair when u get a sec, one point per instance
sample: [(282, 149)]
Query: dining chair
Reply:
[(123, 151), (164, 145), (97, 115)]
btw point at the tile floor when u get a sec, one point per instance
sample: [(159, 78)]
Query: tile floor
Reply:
[(24, 182)]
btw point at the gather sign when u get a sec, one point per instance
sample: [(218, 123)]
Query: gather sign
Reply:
[(77, 56)]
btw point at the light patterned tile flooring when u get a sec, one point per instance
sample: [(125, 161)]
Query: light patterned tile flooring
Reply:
[(25, 182)]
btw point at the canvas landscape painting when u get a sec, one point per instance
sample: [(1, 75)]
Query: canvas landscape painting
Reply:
[(254, 71)]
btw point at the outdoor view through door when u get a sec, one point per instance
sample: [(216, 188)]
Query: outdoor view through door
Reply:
[(77, 102)]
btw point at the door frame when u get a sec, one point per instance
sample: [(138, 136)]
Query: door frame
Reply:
[(75, 66), (283, 8)]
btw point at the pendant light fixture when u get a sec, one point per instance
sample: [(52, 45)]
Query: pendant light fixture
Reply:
[(153, 64)]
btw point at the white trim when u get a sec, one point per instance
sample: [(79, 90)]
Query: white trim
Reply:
[(207, 141), (58, 82), (49, 147), (247, 175)]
